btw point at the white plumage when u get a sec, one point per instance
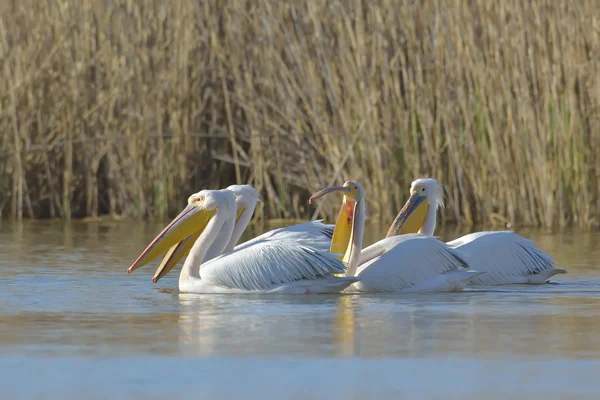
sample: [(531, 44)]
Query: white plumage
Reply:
[(246, 198), (504, 256), (279, 262), (266, 264), (507, 258), (316, 232), (413, 263)]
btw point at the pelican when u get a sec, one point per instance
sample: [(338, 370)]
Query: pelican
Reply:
[(246, 199), (506, 257), (284, 265), (406, 263)]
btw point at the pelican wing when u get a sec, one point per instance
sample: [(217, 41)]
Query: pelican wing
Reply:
[(316, 231), (503, 255), (270, 262), (312, 229), (400, 262)]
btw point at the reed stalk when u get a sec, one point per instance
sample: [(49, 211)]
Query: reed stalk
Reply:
[(127, 107)]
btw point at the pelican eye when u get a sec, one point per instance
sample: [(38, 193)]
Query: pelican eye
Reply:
[(423, 189), (198, 199)]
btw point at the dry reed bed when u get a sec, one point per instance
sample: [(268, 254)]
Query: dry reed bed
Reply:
[(126, 107)]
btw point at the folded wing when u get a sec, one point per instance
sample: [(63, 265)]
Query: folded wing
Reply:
[(504, 255), (403, 261), (269, 262)]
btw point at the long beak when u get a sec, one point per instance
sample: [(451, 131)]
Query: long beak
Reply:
[(411, 217), (328, 190), (239, 213), (344, 222), (192, 219), (174, 255), (180, 250)]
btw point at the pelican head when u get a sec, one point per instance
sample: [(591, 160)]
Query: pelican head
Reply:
[(245, 197), (426, 195), (179, 236), (343, 233), (353, 191)]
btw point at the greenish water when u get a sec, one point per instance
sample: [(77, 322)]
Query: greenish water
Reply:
[(74, 324)]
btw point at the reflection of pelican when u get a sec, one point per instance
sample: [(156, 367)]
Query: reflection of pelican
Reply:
[(344, 323), (281, 265), (507, 258), (263, 325), (401, 263), (246, 198)]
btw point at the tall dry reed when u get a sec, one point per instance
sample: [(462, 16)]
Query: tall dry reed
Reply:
[(126, 107)]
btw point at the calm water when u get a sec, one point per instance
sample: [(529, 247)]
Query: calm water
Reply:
[(74, 324)]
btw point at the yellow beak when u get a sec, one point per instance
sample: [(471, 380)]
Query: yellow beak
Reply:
[(411, 217), (180, 250), (343, 223), (239, 213), (174, 255), (193, 219), (343, 228)]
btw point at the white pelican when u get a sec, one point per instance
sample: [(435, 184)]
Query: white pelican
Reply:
[(406, 263), (506, 257), (246, 199), (267, 266)]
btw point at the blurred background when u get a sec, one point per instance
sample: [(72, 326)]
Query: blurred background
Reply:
[(125, 108)]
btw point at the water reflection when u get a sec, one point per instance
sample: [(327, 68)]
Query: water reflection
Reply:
[(65, 290), (475, 324)]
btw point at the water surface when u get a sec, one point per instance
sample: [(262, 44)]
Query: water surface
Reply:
[(74, 324)]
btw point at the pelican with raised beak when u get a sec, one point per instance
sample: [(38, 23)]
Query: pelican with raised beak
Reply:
[(406, 263)]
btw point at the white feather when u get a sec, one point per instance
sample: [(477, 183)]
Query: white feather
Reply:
[(406, 261), (293, 260), (316, 231), (412, 262), (268, 263), (326, 284), (435, 190), (506, 257)]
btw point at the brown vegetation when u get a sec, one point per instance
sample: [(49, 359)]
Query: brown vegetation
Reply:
[(127, 107)]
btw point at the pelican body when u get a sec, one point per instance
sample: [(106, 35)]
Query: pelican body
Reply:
[(246, 199), (406, 263), (504, 256), (285, 264)]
